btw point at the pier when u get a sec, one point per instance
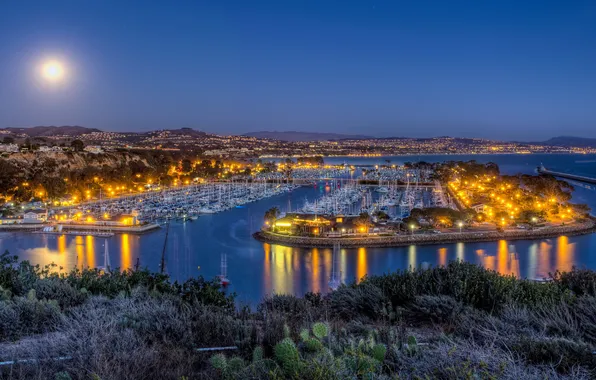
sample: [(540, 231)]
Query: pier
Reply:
[(542, 170)]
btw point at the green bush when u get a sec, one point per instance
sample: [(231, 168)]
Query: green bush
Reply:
[(563, 353), (362, 302), (25, 316), (62, 292)]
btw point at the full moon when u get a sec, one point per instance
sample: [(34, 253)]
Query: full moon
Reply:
[(52, 71)]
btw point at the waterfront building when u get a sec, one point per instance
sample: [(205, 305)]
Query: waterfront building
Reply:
[(35, 216), (329, 225)]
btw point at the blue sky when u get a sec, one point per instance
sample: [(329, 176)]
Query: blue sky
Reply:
[(522, 70)]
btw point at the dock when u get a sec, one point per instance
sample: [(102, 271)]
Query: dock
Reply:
[(81, 229), (542, 170), (77, 233)]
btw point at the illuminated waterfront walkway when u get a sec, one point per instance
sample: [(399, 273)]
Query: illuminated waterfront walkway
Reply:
[(579, 228)]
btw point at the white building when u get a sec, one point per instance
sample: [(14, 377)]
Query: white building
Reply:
[(35, 216), (9, 148), (95, 149)]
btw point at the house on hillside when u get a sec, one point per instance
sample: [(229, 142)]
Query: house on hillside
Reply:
[(478, 207), (95, 149)]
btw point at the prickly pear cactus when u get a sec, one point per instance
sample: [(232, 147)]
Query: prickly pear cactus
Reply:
[(312, 345), (320, 330), (257, 354), (219, 362), (287, 356), (304, 335)]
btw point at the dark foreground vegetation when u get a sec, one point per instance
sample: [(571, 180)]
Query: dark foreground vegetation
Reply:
[(453, 322)]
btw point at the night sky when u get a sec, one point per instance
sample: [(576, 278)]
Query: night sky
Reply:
[(515, 70)]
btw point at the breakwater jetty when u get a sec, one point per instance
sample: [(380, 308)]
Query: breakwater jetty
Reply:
[(579, 228), (542, 170)]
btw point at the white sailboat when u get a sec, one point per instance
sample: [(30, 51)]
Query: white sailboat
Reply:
[(335, 279), (106, 258), (223, 277)]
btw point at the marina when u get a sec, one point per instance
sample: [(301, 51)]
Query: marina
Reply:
[(185, 203), (195, 247)]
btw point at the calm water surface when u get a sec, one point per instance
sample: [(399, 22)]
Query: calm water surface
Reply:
[(257, 269)]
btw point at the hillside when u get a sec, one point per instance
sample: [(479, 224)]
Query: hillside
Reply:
[(294, 136), (43, 131), (571, 141), (60, 173)]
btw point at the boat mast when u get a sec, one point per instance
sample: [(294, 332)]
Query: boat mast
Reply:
[(106, 257), (163, 252)]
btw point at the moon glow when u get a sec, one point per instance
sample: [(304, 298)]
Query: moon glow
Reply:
[(52, 71)]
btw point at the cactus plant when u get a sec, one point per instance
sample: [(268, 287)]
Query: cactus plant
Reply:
[(257, 354), (320, 330), (312, 345), (287, 356), (219, 362), (367, 365), (378, 352), (235, 364), (304, 334)]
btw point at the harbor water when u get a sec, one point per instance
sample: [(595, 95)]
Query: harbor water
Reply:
[(255, 269)]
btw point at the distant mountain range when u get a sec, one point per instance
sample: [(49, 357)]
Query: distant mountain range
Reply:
[(290, 136), (304, 136), (571, 141), (179, 131)]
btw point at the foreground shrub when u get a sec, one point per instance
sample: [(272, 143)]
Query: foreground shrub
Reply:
[(361, 302), (456, 322), (466, 283), (23, 316)]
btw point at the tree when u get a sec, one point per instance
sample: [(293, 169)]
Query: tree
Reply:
[(8, 140), (363, 221), (77, 145), (272, 214), (381, 215), (186, 166)]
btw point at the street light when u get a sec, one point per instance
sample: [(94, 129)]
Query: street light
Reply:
[(412, 226), (460, 224)]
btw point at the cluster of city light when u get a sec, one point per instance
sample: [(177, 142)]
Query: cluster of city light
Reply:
[(503, 199)]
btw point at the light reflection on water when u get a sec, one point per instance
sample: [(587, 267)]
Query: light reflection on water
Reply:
[(290, 270), (257, 269)]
